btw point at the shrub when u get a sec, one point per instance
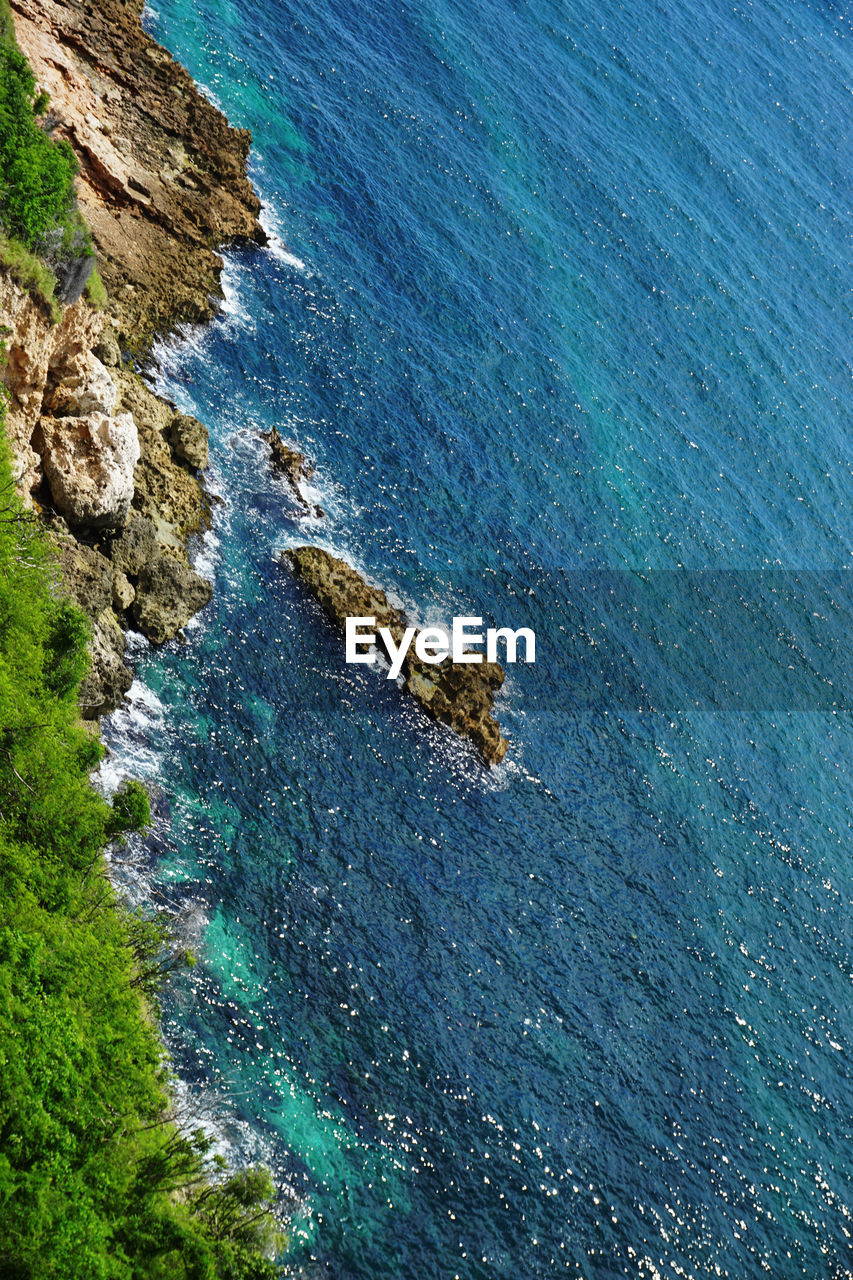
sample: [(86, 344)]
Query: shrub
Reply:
[(37, 196), (96, 291), (30, 273), (131, 809)]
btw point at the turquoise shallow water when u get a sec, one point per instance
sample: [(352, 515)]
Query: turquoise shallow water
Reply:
[(558, 301)]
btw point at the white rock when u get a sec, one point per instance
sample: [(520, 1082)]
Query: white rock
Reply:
[(88, 463), (98, 394)]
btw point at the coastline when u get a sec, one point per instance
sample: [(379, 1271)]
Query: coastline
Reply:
[(115, 474), (115, 469)]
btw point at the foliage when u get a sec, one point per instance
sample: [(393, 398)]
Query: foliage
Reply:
[(30, 273), (96, 291), (131, 810), (97, 1180), (37, 199)]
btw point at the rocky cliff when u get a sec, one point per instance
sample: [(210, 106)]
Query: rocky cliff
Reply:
[(111, 466), (162, 174)]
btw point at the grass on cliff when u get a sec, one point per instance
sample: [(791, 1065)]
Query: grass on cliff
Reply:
[(96, 1180), (31, 274)]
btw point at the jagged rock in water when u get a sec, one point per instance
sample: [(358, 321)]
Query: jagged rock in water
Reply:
[(460, 695), (168, 594), (293, 466)]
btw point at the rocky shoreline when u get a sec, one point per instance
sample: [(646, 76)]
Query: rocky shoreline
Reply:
[(113, 468)]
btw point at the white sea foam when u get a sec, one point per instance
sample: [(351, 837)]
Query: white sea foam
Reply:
[(276, 246), (207, 558), (233, 306), (133, 728)]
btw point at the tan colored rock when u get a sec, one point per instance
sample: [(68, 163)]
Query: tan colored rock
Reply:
[(84, 389), (162, 184), (89, 464), (188, 438), (165, 491), (133, 546), (87, 580), (40, 355), (461, 696), (86, 574), (109, 678), (123, 593), (168, 594), (108, 350)]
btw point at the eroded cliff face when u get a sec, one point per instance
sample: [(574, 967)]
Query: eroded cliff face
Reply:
[(162, 174), (113, 468), (38, 353)]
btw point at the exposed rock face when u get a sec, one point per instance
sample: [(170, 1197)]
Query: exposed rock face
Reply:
[(293, 466), (163, 175), (87, 577), (134, 546), (168, 594), (162, 183), (461, 696), (40, 356), (166, 490), (88, 464), (116, 462)]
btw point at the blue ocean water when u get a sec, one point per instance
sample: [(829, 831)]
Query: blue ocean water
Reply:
[(558, 300)]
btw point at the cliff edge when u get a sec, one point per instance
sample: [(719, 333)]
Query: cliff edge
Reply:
[(162, 178), (113, 467)]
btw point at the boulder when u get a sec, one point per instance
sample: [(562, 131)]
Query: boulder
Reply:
[(89, 389), (88, 464), (134, 546), (108, 679), (108, 350), (168, 594), (123, 592), (86, 575), (188, 438)]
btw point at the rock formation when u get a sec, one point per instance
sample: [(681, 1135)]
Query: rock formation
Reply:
[(460, 695), (113, 467), (162, 174), (293, 466)]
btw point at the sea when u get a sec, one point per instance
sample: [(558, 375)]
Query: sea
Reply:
[(557, 300)]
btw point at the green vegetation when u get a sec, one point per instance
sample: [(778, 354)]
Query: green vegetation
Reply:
[(30, 273), (38, 211), (97, 1181), (96, 290)]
